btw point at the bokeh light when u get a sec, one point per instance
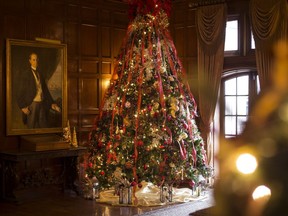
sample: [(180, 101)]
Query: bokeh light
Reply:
[(246, 163), (261, 191)]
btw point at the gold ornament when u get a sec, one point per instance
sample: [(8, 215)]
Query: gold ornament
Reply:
[(67, 133)]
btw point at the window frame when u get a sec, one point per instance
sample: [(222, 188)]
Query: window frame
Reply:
[(238, 51), (252, 94)]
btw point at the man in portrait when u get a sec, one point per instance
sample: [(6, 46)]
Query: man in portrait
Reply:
[(34, 98)]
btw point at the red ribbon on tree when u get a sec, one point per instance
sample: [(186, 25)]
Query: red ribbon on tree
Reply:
[(143, 7)]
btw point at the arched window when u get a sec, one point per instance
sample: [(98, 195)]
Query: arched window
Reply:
[(238, 90)]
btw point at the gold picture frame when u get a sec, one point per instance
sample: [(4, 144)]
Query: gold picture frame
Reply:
[(51, 61)]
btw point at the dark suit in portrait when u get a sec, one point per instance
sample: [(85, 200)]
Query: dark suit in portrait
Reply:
[(34, 98)]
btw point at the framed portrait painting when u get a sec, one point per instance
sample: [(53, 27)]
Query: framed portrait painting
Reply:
[(36, 87)]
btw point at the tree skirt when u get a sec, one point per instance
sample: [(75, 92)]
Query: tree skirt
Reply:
[(149, 195)]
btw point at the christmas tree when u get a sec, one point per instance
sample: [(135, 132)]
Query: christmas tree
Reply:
[(146, 129)]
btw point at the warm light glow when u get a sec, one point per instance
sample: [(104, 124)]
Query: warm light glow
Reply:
[(246, 163), (260, 192), (106, 83)]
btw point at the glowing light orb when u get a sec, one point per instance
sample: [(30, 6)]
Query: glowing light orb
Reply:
[(246, 163), (261, 191)]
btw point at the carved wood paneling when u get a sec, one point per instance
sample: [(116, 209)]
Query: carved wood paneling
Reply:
[(90, 66), (106, 42), (73, 13), (191, 17), (89, 94), (34, 27), (18, 21), (105, 17), (54, 8), (72, 66), (106, 67), (191, 44), (14, 6), (87, 121), (180, 41), (89, 40), (120, 18), (73, 120), (72, 94), (89, 15), (118, 36), (53, 29), (72, 39)]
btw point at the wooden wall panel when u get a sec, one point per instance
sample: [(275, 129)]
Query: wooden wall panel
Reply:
[(53, 29), (18, 21), (180, 41), (73, 120), (183, 29), (106, 42), (73, 13), (118, 36), (72, 94), (34, 7), (192, 74), (89, 94), (72, 66), (15, 6), (180, 16), (120, 18), (54, 8), (90, 66), (105, 17), (106, 67), (191, 42), (89, 15), (89, 40), (72, 39), (87, 121), (34, 27)]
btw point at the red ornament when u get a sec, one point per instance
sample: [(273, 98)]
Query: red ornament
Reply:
[(192, 183), (140, 143), (117, 137), (140, 185), (133, 183), (149, 107), (102, 173), (185, 125)]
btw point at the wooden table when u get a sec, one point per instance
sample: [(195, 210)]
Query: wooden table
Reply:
[(10, 160)]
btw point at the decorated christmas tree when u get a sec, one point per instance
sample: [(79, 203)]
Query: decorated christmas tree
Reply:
[(146, 129)]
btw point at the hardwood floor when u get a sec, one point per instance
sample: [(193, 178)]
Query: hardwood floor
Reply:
[(51, 201)]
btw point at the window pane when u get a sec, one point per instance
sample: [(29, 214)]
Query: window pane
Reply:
[(230, 87), (230, 125), (243, 85), (231, 37), (228, 136), (252, 41), (230, 105), (242, 105), (258, 85), (241, 123)]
